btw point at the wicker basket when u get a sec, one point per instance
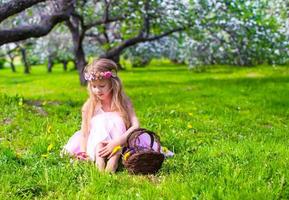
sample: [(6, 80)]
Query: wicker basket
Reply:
[(142, 159)]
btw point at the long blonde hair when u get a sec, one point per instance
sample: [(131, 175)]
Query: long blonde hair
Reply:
[(119, 101)]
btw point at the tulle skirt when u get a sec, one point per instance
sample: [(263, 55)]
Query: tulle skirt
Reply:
[(104, 127)]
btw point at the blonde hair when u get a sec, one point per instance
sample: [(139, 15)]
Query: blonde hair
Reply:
[(119, 101)]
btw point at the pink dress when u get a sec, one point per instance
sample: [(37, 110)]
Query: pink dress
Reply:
[(104, 126)]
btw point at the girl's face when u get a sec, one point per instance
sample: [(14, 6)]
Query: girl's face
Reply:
[(101, 88)]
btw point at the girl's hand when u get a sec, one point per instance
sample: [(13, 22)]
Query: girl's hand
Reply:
[(82, 156), (109, 149)]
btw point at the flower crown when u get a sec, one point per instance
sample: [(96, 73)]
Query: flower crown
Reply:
[(92, 76)]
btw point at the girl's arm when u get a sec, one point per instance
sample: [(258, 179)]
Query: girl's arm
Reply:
[(134, 125), (110, 145), (84, 129)]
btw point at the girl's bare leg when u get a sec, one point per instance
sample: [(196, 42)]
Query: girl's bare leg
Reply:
[(112, 163), (99, 161)]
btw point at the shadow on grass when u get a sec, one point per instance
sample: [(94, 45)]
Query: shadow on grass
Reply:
[(15, 99), (211, 81), (166, 69), (14, 81)]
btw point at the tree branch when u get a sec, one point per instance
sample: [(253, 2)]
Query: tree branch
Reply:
[(97, 37), (138, 39), (106, 10), (38, 30), (146, 22), (106, 21), (80, 19), (12, 7), (165, 34), (28, 31)]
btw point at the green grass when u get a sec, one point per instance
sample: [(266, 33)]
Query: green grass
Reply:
[(228, 127)]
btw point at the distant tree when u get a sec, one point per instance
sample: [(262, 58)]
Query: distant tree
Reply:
[(23, 53), (237, 32), (11, 50), (169, 47), (226, 32), (56, 47)]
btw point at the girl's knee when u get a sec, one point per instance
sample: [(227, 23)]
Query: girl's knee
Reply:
[(100, 163), (112, 164)]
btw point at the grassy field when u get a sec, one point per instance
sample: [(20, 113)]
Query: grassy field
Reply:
[(228, 127)]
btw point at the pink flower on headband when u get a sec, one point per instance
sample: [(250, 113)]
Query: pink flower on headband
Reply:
[(107, 74), (90, 76)]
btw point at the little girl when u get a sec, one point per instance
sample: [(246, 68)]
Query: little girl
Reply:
[(107, 117)]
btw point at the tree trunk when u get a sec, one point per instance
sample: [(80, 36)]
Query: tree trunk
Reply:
[(80, 63), (64, 62), (12, 62), (115, 58), (12, 66), (79, 60), (79, 55), (176, 61), (24, 60), (75, 66), (49, 64)]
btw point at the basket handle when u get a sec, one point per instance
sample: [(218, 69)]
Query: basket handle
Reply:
[(139, 131), (134, 133)]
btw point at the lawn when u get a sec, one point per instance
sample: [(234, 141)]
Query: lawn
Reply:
[(228, 127)]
